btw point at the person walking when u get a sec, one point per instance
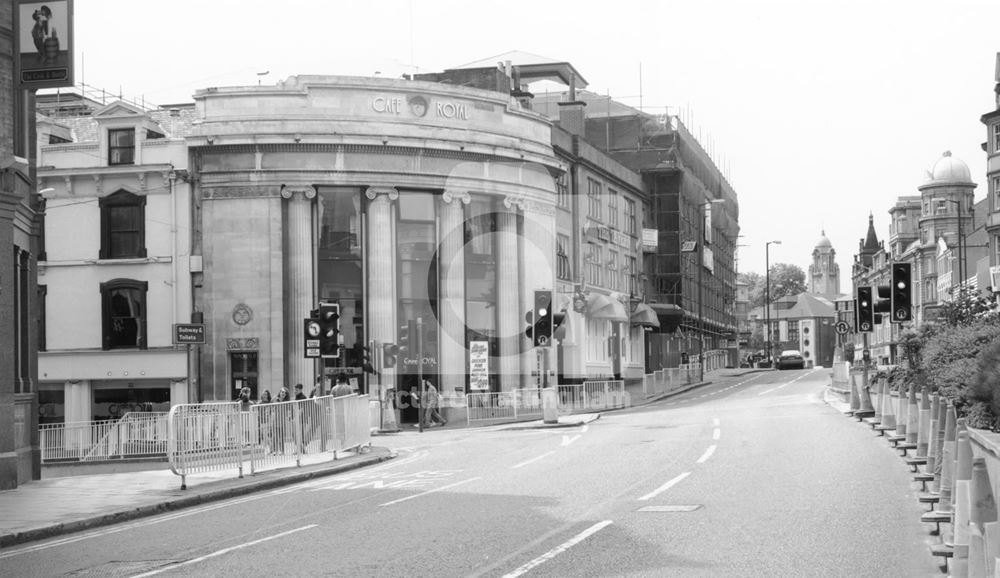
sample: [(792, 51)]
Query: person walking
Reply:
[(303, 418), (264, 417), (281, 416), (432, 400)]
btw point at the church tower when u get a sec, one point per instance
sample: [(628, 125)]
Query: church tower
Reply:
[(824, 273)]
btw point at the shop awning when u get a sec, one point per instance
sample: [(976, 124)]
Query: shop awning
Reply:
[(669, 316), (644, 315), (603, 307)]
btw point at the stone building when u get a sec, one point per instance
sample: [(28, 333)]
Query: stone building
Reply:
[(824, 272)]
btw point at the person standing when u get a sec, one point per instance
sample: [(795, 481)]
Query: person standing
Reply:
[(341, 388), (431, 401)]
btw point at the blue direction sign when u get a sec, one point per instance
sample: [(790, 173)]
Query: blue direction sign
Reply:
[(185, 333)]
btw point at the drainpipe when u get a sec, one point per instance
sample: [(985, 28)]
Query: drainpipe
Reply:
[(172, 177)]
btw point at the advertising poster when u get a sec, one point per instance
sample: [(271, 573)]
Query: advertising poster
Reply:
[(45, 44), (479, 365)]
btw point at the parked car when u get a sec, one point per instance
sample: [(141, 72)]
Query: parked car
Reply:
[(791, 359)]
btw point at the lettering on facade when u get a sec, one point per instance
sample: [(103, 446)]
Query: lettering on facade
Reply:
[(418, 107)]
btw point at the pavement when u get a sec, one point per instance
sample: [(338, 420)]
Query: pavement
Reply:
[(52, 507)]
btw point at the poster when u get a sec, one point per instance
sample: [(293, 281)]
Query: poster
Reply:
[(479, 365)]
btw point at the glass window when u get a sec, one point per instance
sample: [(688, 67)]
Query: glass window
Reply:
[(480, 283), (631, 275), (595, 264), (612, 208), (563, 269), (630, 226), (123, 226), (562, 190), (594, 209), (417, 279), (996, 137), (124, 314), (121, 146), (613, 270)]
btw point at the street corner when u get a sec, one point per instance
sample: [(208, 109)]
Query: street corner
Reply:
[(563, 421)]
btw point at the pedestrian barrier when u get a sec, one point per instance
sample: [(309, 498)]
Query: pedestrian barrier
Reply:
[(504, 406), (136, 434), (592, 395), (219, 436)]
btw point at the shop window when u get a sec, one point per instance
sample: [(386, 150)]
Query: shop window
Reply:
[(563, 269), (124, 314), (123, 226), (594, 209), (121, 146)]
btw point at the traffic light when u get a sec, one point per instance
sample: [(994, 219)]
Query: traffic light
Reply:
[(882, 304), (542, 334), (558, 330), (866, 320), (529, 318), (389, 351), (902, 295), (367, 363), (329, 325), (311, 332)]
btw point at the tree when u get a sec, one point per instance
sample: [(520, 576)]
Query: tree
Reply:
[(785, 279)]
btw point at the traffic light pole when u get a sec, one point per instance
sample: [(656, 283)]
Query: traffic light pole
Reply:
[(420, 371)]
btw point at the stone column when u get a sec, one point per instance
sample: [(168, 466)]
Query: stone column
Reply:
[(451, 307), (381, 304), (510, 316), (298, 282)]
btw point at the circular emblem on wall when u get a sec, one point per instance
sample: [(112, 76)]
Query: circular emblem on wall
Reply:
[(242, 314), (418, 105)]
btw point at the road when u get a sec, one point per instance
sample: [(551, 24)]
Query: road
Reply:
[(748, 476)]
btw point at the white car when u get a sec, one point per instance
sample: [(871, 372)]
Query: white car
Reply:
[(791, 358)]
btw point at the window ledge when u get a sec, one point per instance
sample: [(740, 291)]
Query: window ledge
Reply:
[(83, 262)]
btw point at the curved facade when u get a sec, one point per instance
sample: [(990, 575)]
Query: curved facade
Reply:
[(400, 200)]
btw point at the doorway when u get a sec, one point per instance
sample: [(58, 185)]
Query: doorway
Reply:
[(243, 372)]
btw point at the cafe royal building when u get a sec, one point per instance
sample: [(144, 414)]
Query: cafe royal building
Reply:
[(397, 199)]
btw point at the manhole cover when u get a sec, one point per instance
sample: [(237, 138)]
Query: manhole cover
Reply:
[(689, 508), (115, 569)]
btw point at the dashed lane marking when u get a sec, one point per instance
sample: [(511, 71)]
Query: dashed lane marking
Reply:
[(708, 453), (442, 488), (221, 552), (533, 460), (559, 549), (665, 487), (784, 384)]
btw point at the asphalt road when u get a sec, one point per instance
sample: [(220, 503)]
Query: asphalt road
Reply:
[(749, 476)]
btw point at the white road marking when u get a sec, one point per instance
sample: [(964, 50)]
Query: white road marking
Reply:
[(533, 460), (665, 486), (716, 434), (430, 491), (559, 549), (784, 384), (568, 440), (221, 552), (708, 453)]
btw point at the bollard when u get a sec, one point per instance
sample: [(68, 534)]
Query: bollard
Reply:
[(864, 401), (924, 424), (991, 535), (888, 411), (912, 416), (855, 399), (960, 493), (947, 461), (879, 388), (983, 511), (902, 406), (942, 427), (932, 435)]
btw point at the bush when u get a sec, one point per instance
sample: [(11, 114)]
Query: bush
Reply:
[(986, 388), (953, 366)]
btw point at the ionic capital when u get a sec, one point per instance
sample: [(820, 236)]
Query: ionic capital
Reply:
[(307, 192), (387, 193), (451, 195)]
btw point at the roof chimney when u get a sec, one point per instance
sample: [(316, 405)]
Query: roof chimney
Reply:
[(572, 117)]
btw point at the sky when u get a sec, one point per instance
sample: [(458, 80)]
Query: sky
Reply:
[(821, 113)]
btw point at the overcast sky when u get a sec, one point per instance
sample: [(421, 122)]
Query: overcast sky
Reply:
[(821, 111)]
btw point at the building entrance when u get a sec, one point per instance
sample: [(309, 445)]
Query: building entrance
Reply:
[(243, 373)]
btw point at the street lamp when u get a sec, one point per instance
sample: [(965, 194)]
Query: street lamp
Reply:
[(767, 294), (961, 240), (701, 267)]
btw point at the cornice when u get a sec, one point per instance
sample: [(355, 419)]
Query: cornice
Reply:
[(242, 192)]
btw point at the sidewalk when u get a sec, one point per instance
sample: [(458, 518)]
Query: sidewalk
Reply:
[(50, 507)]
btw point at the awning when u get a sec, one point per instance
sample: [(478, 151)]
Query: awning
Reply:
[(644, 315), (603, 307), (669, 316)]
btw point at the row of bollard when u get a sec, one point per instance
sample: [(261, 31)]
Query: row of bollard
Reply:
[(960, 490)]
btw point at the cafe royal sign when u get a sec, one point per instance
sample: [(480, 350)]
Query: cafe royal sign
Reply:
[(418, 106)]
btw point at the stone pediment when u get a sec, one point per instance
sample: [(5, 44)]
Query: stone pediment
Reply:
[(118, 109)]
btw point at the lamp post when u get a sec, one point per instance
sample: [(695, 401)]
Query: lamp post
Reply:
[(961, 241), (701, 266), (767, 295)]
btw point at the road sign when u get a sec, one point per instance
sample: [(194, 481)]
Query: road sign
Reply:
[(185, 333), (842, 327)]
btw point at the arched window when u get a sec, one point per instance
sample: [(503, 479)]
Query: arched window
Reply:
[(123, 314), (123, 226)]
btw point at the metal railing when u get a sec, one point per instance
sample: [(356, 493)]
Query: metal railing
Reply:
[(505, 405), (136, 434), (218, 436), (592, 395)]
